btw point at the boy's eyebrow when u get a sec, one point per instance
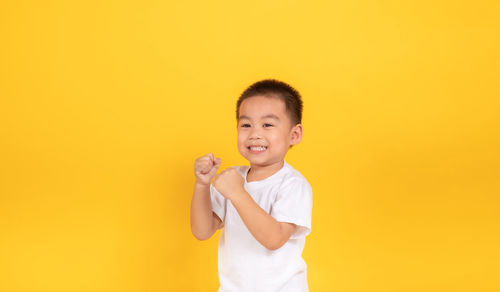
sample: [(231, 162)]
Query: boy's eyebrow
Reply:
[(272, 116)]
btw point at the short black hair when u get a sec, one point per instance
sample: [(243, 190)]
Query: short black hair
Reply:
[(275, 88)]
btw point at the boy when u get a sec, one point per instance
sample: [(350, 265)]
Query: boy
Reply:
[(265, 208)]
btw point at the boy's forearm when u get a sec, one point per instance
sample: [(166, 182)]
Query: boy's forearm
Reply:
[(262, 225), (202, 225)]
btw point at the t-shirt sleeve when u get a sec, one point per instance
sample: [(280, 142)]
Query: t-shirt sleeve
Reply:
[(218, 203), (294, 205)]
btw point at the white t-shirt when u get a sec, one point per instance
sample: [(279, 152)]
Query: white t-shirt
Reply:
[(244, 263)]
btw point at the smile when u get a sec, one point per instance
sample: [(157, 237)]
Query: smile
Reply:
[(257, 149)]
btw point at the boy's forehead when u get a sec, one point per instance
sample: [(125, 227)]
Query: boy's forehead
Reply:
[(262, 107)]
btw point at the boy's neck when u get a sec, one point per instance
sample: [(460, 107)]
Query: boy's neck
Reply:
[(258, 172)]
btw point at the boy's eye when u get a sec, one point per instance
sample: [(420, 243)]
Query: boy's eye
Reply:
[(245, 125), (268, 125)]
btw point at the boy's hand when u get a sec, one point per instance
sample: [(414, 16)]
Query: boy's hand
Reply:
[(205, 168), (229, 183)]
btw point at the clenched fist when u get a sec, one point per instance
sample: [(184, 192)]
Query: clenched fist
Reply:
[(205, 168), (229, 183)]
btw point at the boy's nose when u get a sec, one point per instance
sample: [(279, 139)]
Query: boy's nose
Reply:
[(255, 134)]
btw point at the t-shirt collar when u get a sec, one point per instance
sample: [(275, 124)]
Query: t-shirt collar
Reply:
[(274, 175)]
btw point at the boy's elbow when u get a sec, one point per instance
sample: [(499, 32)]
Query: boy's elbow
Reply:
[(274, 245), (277, 242), (201, 236), (203, 232)]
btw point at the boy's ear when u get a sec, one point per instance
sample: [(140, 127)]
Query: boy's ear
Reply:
[(296, 134)]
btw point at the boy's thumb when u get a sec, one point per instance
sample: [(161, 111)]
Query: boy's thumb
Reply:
[(217, 161), (215, 167)]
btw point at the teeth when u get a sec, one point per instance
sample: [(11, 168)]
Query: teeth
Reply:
[(260, 148)]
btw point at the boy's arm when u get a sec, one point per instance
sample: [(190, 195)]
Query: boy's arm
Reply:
[(269, 232), (204, 222)]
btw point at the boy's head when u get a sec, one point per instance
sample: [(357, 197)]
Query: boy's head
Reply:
[(269, 115), (274, 88)]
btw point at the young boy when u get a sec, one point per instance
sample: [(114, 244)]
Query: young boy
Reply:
[(265, 208)]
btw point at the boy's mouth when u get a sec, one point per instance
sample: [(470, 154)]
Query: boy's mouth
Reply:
[(257, 149)]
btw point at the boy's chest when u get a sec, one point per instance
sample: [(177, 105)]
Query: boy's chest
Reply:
[(264, 197)]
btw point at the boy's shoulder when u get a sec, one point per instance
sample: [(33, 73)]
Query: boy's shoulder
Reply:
[(295, 177)]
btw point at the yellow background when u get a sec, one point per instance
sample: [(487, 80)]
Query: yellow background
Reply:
[(105, 105)]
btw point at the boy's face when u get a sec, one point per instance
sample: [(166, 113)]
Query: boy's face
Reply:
[(265, 131)]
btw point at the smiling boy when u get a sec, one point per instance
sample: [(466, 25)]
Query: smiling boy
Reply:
[(265, 208)]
